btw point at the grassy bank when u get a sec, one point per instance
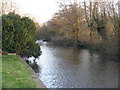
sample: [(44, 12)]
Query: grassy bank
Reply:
[(15, 73)]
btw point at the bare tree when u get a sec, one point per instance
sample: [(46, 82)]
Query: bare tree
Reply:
[(71, 18), (8, 6)]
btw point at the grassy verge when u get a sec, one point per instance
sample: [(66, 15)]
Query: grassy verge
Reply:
[(15, 73)]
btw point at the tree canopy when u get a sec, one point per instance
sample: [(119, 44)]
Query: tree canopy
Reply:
[(93, 25), (18, 35)]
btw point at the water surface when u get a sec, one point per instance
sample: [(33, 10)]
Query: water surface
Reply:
[(66, 67)]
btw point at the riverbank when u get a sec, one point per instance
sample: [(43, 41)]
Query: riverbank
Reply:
[(17, 74)]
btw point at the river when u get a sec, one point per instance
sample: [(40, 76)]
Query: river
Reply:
[(67, 67)]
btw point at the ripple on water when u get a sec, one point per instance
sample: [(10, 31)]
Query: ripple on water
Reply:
[(63, 67)]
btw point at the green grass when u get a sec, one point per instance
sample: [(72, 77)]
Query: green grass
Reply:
[(15, 73)]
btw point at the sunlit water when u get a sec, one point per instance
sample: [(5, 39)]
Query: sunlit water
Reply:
[(66, 67)]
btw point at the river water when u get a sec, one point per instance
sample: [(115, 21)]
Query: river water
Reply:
[(67, 67)]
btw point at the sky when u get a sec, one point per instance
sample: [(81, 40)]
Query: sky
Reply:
[(41, 10)]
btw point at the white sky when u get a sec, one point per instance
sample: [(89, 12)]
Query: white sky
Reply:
[(42, 10)]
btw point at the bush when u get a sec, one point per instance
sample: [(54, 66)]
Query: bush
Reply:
[(4, 53), (18, 35)]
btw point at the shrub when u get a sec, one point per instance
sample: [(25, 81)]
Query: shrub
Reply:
[(18, 35)]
